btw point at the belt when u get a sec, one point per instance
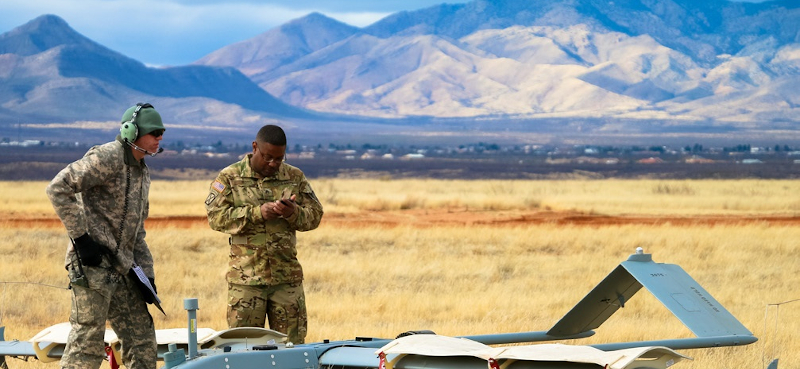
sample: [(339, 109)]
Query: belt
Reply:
[(238, 240)]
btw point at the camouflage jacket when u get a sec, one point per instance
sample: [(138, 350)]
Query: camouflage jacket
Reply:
[(263, 252), (89, 197)]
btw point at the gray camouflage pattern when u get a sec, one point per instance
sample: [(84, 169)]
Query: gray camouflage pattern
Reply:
[(89, 196), (269, 255), (113, 297)]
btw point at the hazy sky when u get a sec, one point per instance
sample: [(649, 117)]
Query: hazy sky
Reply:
[(178, 32)]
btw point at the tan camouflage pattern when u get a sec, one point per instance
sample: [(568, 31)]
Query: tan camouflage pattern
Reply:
[(269, 255), (284, 304), (114, 297), (89, 196)]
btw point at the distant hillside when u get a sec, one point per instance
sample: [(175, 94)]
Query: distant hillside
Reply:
[(713, 61), (281, 45)]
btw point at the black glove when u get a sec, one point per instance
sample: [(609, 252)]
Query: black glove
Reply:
[(90, 252), (147, 296)]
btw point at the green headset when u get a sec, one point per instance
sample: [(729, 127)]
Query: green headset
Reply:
[(129, 131)]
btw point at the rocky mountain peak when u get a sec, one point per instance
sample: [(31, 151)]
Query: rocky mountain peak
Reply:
[(41, 34)]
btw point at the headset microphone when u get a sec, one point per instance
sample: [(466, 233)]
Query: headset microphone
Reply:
[(137, 148)]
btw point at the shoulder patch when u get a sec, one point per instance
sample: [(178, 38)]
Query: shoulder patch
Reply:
[(210, 198), (218, 186)]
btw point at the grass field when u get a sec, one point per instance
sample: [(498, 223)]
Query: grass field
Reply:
[(383, 278)]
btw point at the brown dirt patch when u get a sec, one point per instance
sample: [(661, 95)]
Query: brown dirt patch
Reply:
[(445, 217)]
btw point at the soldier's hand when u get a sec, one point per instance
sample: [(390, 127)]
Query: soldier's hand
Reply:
[(147, 296), (89, 251), (268, 211), (285, 208)]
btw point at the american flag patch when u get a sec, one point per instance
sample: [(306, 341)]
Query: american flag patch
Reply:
[(218, 186)]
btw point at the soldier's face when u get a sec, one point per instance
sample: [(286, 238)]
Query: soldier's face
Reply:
[(267, 158), (148, 142)]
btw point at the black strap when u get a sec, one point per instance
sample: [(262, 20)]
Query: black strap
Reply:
[(124, 208)]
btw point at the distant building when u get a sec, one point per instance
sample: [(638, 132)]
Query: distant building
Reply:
[(650, 160), (25, 143), (751, 161), (300, 155), (588, 160), (698, 160), (558, 161)]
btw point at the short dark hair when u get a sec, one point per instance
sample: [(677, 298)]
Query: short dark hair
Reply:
[(272, 135)]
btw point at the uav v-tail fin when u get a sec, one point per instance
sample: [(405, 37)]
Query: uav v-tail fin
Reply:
[(670, 284)]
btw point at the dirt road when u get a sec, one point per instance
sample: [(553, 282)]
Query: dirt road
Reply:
[(443, 217)]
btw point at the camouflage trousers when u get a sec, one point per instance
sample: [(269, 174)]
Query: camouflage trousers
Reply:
[(114, 298), (284, 305)]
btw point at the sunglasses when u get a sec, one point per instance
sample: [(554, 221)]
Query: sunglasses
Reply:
[(157, 133)]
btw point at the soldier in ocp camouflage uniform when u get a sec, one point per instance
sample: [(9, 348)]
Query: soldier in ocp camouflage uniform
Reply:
[(102, 199), (261, 202)]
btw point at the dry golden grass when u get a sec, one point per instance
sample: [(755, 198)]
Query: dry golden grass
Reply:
[(610, 197), (460, 280)]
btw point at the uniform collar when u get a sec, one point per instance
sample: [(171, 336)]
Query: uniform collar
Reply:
[(130, 160)]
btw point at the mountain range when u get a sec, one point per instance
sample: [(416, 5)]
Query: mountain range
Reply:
[(710, 60), (52, 74), (611, 64)]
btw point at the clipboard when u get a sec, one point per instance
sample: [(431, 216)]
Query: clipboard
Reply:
[(142, 278)]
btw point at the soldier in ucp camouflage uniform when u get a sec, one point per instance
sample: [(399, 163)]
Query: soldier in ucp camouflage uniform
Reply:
[(102, 199), (261, 202)]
